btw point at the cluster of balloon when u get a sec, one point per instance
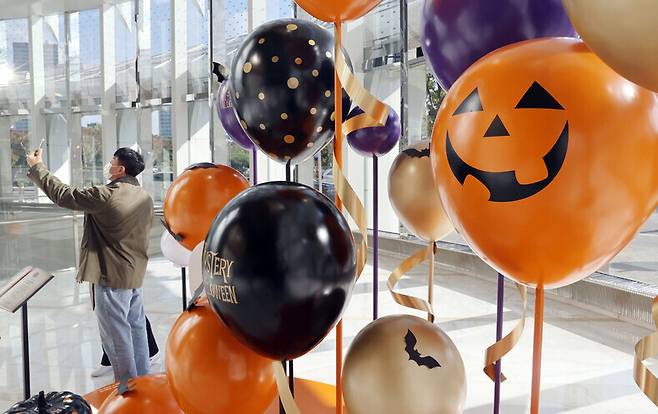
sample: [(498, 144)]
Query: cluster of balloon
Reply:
[(278, 268), (456, 33), (622, 33), (210, 371), (229, 118), (429, 375), (282, 86), (173, 250), (374, 140), (418, 206), (147, 394), (563, 162), (196, 196)]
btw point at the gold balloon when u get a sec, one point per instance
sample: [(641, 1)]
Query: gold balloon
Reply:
[(403, 364), (623, 33), (414, 196)]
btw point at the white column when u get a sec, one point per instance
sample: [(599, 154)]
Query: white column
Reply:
[(108, 74), (37, 78), (199, 120), (145, 140), (179, 127)]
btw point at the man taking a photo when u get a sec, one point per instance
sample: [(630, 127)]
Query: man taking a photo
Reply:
[(113, 253)]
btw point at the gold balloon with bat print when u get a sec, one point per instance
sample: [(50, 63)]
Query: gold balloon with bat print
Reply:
[(403, 364), (413, 195)]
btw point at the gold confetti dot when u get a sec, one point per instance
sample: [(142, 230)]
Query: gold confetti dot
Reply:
[(275, 59), (328, 54), (319, 129), (314, 111), (291, 27), (333, 116), (244, 124), (289, 139), (293, 83), (327, 93), (309, 145), (261, 40), (261, 96), (315, 73), (311, 42), (298, 60), (262, 126), (284, 116), (247, 67)]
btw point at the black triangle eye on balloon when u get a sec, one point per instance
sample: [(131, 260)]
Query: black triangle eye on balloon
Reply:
[(536, 97)]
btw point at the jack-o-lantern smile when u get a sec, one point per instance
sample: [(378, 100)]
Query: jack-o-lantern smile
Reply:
[(504, 186)]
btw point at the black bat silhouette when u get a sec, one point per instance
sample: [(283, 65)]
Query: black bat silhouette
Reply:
[(414, 153), (422, 361)]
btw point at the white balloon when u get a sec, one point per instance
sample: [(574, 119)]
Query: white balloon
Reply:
[(174, 251), (196, 260)]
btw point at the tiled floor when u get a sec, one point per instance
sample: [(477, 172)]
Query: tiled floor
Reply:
[(588, 357)]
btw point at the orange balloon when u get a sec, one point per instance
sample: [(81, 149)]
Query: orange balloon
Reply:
[(196, 196), (151, 395), (546, 160), (338, 10), (211, 372)]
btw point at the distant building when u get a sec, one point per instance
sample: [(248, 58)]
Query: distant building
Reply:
[(22, 125), (164, 119), (21, 53)]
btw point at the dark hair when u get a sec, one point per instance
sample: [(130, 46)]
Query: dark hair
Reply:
[(131, 160)]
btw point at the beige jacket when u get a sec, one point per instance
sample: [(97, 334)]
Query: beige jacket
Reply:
[(117, 224)]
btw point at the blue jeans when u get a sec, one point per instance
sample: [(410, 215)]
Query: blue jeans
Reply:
[(122, 326)]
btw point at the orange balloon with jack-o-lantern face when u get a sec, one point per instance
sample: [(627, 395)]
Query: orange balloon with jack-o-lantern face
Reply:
[(546, 160)]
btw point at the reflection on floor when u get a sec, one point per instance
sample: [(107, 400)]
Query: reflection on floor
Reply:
[(588, 357)]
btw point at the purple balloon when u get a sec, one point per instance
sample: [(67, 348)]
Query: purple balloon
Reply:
[(375, 140), (456, 33), (229, 118)]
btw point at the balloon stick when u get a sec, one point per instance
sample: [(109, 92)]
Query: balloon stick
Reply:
[(338, 155), (499, 335), (375, 237), (254, 165), (536, 350), (430, 284)]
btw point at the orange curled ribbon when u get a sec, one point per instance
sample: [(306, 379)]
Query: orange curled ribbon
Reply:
[(407, 264), (647, 348), (498, 350)]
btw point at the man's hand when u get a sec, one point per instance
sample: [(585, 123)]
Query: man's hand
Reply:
[(34, 158)]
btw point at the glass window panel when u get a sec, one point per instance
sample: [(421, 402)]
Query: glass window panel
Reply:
[(15, 87), (92, 150), (163, 155), (85, 58), (160, 49), (126, 51), (279, 9), (197, 46), (54, 60)]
